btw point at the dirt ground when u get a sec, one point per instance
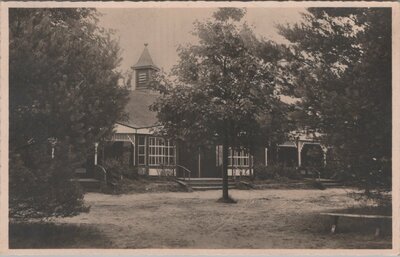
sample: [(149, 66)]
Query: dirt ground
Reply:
[(261, 219)]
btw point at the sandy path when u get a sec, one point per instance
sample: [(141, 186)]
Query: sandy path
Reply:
[(260, 219)]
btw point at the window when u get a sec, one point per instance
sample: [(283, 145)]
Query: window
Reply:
[(141, 150), (142, 77), (238, 158), (161, 152)]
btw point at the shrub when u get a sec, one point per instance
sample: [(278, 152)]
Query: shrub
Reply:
[(290, 172), (266, 172), (276, 172), (43, 188), (329, 171), (317, 184), (116, 171)]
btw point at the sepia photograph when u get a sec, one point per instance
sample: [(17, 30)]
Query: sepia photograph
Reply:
[(214, 127)]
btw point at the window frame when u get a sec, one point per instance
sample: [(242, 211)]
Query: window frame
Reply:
[(238, 158), (144, 147), (162, 152)]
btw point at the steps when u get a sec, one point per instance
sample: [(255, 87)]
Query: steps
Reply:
[(202, 184), (330, 183), (87, 183)]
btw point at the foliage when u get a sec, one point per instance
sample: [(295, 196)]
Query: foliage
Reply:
[(115, 170), (317, 184), (222, 87), (44, 188), (265, 172), (276, 172), (50, 235), (314, 156), (63, 85), (340, 66)]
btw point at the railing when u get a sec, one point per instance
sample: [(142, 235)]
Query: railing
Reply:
[(165, 170), (104, 172), (184, 173)]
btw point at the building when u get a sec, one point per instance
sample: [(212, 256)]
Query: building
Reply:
[(136, 143)]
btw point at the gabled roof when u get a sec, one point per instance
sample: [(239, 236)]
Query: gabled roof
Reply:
[(145, 60), (137, 108)]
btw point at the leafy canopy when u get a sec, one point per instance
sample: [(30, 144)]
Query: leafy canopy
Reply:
[(63, 87), (340, 66), (223, 86)]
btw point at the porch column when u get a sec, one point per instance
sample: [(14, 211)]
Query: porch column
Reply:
[(299, 148), (266, 156), (325, 152), (95, 152), (52, 150), (199, 164), (133, 156), (251, 165), (53, 142), (175, 160), (132, 140)]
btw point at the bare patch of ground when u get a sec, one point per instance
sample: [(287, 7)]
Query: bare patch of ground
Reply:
[(261, 219)]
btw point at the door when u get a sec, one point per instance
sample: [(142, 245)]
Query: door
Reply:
[(209, 168)]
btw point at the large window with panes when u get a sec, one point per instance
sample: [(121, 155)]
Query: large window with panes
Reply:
[(238, 158), (161, 152), (142, 150)]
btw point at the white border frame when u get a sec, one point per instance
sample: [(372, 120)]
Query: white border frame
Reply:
[(4, 130)]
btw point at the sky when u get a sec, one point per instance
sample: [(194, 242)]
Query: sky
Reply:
[(164, 29)]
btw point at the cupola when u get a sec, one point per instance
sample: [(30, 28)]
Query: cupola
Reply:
[(144, 70)]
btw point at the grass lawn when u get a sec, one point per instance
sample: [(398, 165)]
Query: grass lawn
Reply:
[(273, 218)]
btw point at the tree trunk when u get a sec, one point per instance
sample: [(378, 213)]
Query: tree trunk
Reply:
[(225, 149)]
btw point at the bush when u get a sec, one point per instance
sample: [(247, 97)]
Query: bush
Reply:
[(116, 171), (276, 172), (266, 172), (317, 184), (329, 171), (43, 188), (47, 235), (290, 172), (114, 168)]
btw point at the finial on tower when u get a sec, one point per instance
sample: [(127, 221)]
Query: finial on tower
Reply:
[(146, 44)]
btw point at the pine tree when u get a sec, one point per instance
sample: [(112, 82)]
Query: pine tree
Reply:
[(64, 89), (340, 66)]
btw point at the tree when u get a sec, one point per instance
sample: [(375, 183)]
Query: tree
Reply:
[(222, 87), (63, 88), (340, 66)]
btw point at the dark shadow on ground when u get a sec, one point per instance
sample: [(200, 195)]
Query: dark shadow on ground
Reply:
[(43, 235), (358, 233)]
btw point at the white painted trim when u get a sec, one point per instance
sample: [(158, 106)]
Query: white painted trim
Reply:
[(122, 129), (266, 156), (155, 171), (239, 172), (145, 131)]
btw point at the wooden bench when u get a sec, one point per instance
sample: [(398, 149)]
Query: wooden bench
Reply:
[(363, 216)]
